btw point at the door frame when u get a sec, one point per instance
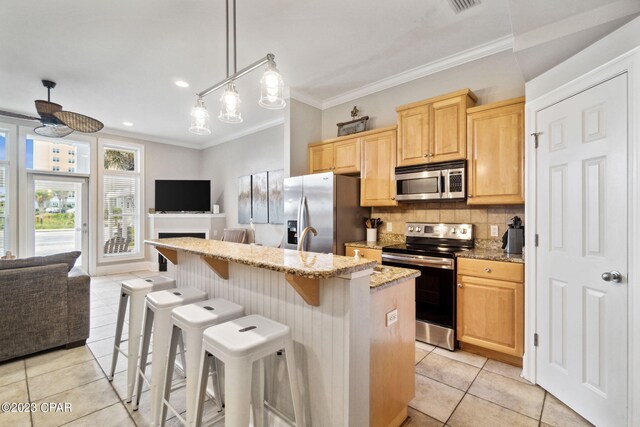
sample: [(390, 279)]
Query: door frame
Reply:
[(628, 63), (83, 179)]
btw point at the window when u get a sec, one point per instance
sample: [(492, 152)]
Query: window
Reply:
[(56, 168), (38, 155), (4, 194), (71, 170), (121, 200)]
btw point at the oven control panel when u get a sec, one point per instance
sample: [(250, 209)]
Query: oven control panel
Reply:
[(439, 230)]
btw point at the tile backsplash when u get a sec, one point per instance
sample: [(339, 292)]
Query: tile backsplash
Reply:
[(482, 217)]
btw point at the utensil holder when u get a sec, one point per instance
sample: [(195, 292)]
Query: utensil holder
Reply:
[(372, 234)]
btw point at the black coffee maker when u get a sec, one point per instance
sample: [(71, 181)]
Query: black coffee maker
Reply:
[(513, 238)]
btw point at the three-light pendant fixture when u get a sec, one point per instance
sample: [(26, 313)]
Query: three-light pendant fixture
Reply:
[(271, 93)]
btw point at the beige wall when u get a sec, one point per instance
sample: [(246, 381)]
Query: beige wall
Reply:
[(453, 212), (303, 126), (223, 164), (493, 78)]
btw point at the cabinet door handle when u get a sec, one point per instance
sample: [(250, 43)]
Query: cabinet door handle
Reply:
[(425, 155), (487, 270), (470, 196), (459, 285), (393, 197)]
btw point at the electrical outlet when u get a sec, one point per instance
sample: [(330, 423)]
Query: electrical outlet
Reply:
[(392, 317), (494, 231), (215, 232), (389, 227)]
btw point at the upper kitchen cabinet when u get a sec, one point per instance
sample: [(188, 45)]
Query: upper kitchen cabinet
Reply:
[(496, 153), (434, 130), (378, 185), (340, 155)]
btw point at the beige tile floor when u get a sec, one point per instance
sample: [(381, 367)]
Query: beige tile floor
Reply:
[(460, 389), (454, 389)]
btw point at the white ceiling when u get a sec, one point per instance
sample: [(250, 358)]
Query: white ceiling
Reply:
[(117, 60)]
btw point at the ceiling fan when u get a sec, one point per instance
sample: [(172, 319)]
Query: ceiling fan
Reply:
[(57, 123)]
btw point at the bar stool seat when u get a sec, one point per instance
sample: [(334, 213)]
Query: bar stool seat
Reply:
[(132, 292), (238, 344), (157, 317), (191, 321)]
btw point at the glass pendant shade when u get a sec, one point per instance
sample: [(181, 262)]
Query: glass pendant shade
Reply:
[(230, 105), (272, 91), (200, 119)]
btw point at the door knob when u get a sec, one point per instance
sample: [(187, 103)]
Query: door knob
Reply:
[(612, 276), (459, 285)]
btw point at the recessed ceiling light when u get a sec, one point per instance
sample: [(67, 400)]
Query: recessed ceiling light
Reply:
[(182, 83), (127, 123)]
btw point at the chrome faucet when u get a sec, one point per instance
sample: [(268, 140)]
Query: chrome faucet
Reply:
[(303, 236)]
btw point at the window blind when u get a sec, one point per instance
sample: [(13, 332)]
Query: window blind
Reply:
[(121, 216)]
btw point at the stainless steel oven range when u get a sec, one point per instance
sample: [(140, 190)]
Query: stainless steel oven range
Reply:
[(431, 249)]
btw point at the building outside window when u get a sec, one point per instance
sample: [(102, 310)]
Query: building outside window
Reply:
[(121, 200), (40, 154), (56, 168), (71, 170)]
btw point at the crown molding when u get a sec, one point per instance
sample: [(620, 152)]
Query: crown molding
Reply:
[(107, 132), (303, 97), (475, 53), (248, 131)]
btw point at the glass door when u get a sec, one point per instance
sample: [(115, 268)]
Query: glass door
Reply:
[(59, 218)]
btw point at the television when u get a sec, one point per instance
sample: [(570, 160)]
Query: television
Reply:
[(183, 196)]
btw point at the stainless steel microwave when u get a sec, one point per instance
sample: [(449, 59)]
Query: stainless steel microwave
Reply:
[(437, 181)]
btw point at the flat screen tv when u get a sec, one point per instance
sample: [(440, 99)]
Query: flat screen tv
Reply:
[(183, 195)]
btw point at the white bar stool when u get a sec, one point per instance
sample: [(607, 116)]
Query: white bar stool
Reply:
[(133, 292), (238, 343), (157, 316), (190, 321)]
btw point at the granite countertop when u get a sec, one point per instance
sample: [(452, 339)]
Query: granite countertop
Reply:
[(305, 264), (491, 255), (370, 245), (385, 276)]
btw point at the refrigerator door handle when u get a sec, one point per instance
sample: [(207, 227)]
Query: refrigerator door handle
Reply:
[(303, 222), (299, 220)]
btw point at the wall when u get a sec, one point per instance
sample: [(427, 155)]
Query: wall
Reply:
[(493, 78), (303, 126), (224, 163)]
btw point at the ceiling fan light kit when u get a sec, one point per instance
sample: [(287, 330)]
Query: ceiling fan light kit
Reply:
[(271, 92)]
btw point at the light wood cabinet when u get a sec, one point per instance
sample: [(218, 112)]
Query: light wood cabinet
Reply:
[(496, 153), (321, 158), (378, 184), (490, 306), (392, 354), (434, 130), (340, 155), (368, 253)]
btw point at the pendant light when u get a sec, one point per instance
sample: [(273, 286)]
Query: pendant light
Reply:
[(271, 93), (200, 119), (272, 88), (230, 105)]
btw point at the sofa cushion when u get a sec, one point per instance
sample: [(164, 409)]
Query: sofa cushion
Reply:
[(68, 258)]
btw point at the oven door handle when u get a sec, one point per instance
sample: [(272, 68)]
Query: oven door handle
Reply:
[(444, 263)]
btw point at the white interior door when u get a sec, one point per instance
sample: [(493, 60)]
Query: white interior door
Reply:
[(58, 220), (582, 227)]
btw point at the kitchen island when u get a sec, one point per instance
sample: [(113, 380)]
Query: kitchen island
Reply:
[(324, 298)]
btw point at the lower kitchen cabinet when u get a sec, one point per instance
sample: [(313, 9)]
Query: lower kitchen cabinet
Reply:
[(368, 253), (490, 308), (392, 377)]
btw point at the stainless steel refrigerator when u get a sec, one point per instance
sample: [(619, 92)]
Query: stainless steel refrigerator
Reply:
[(330, 204)]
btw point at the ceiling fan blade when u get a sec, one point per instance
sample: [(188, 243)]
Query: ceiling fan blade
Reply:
[(79, 122), (18, 116), (46, 108), (53, 131)]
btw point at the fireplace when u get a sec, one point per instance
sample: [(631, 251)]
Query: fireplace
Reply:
[(162, 261)]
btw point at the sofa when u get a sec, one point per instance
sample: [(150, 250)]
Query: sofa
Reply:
[(44, 303)]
